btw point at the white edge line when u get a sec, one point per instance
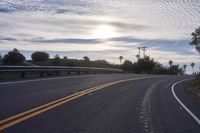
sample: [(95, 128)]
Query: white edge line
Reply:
[(181, 103)]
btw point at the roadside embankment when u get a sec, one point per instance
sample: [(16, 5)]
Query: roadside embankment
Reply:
[(193, 87)]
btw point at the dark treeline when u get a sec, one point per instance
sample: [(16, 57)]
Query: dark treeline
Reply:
[(142, 65), (41, 58), (149, 66)]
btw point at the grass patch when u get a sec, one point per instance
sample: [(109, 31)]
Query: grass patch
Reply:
[(2, 78), (194, 87)]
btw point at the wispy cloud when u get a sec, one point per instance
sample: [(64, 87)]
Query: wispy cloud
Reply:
[(164, 26)]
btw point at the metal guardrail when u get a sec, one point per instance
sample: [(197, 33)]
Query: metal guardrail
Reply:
[(57, 69)]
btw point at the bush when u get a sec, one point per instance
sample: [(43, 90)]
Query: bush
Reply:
[(144, 65), (197, 76), (86, 58), (127, 66), (174, 69), (13, 58), (56, 60), (0, 59), (40, 56)]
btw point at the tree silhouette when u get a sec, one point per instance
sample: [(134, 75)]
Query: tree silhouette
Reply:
[(144, 65), (138, 56), (40, 56), (65, 58), (192, 65), (86, 58), (184, 67), (13, 57), (1, 59), (170, 62), (56, 60), (121, 58), (196, 39), (127, 66)]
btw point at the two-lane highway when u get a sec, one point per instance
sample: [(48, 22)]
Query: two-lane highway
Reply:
[(117, 103)]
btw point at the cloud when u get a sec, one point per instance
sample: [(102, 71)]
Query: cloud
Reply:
[(125, 25), (7, 39), (69, 40), (178, 46), (163, 26)]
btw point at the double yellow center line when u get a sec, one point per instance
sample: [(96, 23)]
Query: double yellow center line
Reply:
[(13, 120)]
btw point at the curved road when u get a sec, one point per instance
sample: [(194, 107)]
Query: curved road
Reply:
[(117, 103)]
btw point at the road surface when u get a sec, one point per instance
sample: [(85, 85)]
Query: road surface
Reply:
[(117, 103)]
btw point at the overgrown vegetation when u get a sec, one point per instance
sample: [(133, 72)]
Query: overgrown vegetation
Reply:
[(40, 56), (149, 66), (196, 39), (57, 61), (195, 84), (13, 57), (145, 65)]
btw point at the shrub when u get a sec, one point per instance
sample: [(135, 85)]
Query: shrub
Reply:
[(40, 56), (13, 57), (127, 66)]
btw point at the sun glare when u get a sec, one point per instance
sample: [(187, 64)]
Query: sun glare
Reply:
[(103, 32)]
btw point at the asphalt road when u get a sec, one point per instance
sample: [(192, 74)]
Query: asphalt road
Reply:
[(117, 103)]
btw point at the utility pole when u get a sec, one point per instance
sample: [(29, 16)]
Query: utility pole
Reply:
[(142, 48), (139, 52)]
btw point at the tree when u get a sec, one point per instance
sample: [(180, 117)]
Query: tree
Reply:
[(65, 58), (127, 66), (138, 56), (192, 65), (0, 58), (184, 67), (174, 69), (40, 56), (170, 63), (196, 39), (86, 58), (121, 58), (56, 60), (13, 57), (144, 65)]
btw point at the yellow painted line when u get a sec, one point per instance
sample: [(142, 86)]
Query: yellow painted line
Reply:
[(48, 104), (34, 109), (8, 122)]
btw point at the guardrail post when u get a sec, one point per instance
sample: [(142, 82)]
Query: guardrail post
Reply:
[(22, 74)]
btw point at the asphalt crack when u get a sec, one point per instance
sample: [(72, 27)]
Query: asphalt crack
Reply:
[(145, 111)]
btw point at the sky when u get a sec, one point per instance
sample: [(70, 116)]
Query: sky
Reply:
[(102, 29)]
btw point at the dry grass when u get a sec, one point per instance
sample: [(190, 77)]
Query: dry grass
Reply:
[(194, 87)]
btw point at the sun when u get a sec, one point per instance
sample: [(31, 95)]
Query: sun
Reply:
[(103, 32)]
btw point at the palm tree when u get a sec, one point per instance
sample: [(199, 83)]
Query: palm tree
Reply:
[(192, 65), (184, 67), (121, 58), (170, 62), (138, 56)]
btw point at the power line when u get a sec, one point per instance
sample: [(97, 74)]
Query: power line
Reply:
[(143, 49)]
